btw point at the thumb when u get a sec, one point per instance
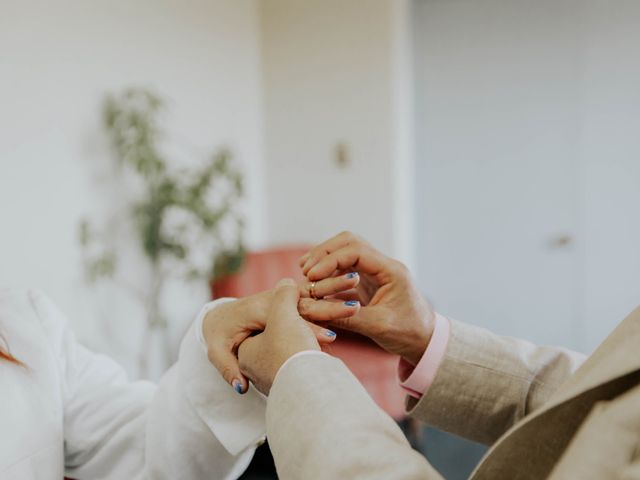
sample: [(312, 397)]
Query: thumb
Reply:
[(284, 306), (227, 364)]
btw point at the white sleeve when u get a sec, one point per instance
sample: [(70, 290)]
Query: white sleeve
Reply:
[(192, 425)]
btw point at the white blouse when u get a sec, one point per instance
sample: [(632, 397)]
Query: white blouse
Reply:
[(73, 412)]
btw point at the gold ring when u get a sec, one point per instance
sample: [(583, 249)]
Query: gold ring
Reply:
[(312, 290)]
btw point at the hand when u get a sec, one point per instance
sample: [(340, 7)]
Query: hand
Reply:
[(228, 325), (285, 335), (394, 314)]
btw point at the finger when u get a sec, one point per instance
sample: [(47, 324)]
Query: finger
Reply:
[(330, 286), (369, 321), (327, 310), (346, 295), (248, 355), (303, 259), (284, 306), (325, 248), (323, 335), (227, 364), (359, 258)]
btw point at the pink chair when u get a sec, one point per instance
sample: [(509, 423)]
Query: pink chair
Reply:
[(375, 368)]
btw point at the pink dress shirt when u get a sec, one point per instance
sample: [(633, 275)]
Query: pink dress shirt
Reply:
[(417, 382)]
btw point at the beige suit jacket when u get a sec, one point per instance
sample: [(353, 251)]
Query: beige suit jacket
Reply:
[(547, 412)]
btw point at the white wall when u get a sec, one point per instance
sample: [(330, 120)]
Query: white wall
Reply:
[(527, 131), (611, 152), (498, 117), (57, 60), (337, 71)]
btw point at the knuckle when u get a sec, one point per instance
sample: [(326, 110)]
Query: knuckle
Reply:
[(303, 307), (348, 237), (346, 323), (343, 323), (355, 238), (400, 268), (227, 373), (316, 254)]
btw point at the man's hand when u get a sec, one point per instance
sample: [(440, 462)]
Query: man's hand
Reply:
[(394, 314), (229, 324), (286, 334)]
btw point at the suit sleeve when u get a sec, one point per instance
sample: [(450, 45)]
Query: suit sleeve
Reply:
[(192, 425), (322, 424), (486, 383)]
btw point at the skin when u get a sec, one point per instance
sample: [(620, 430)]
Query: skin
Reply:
[(388, 308), (286, 334), (226, 327), (394, 313)]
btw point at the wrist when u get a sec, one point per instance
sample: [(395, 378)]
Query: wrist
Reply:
[(287, 355), (420, 340), (292, 347), (291, 358), (416, 352)]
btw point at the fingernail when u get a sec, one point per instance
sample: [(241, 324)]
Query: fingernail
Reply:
[(237, 386), (352, 275), (330, 333), (352, 303)]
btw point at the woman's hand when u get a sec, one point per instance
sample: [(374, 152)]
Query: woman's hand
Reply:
[(286, 334), (228, 325), (394, 314)]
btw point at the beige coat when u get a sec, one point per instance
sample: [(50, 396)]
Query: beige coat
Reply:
[(547, 412)]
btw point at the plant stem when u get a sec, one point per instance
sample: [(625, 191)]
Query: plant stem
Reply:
[(154, 320)]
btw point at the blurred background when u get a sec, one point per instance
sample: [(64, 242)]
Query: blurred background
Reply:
[(492, 145)]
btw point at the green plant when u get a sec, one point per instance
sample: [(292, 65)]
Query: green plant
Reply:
[(174, 213), (131, 120)]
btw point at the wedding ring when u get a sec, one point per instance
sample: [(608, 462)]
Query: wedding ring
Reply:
[(312, 290)]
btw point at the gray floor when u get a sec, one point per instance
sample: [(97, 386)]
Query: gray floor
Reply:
[(454, 457)]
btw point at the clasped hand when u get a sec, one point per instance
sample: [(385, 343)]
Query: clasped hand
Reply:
[(359, 289), (252, 337)]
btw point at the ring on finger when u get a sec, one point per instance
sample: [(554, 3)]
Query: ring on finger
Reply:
[(312, 290)]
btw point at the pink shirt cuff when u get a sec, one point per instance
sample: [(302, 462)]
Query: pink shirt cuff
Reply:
[(417, 382)]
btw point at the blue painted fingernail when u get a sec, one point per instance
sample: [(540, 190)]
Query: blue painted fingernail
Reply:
[(352, 275), (330, 333), (352, 303), (237, 386)]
